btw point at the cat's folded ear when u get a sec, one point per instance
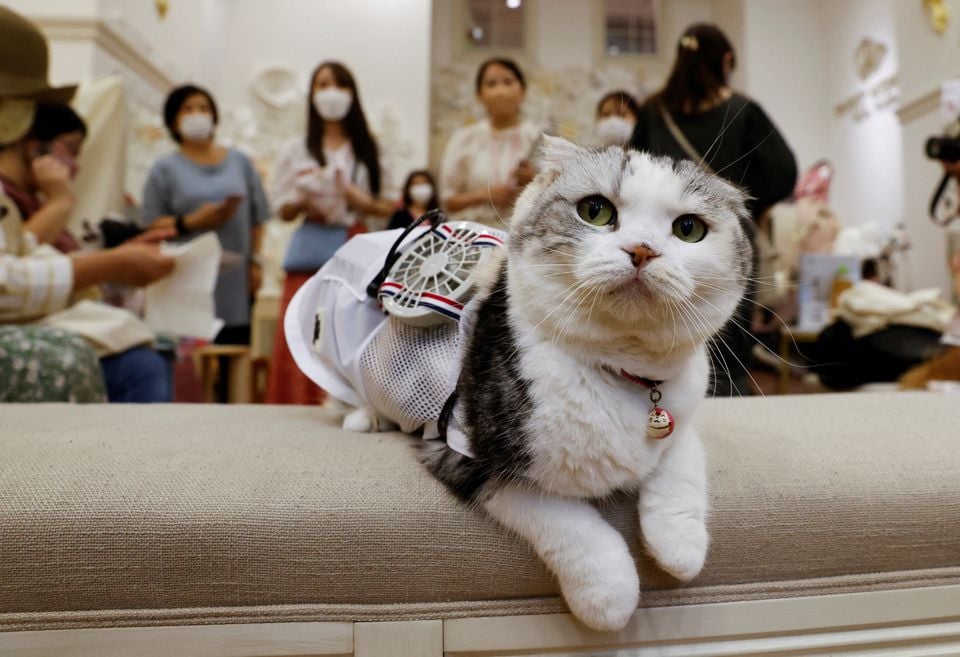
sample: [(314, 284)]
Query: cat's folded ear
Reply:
[(554, 153)]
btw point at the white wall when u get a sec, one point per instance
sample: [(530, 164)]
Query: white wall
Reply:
[(562, 35), (867, 154), (174, 43), (385, 44), (926, 60), (58, 8), (799, 56), (781, 51)]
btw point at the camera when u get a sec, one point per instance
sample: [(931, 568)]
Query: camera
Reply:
[(944, 148)]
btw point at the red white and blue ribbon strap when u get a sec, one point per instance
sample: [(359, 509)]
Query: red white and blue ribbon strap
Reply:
[(435, 302)]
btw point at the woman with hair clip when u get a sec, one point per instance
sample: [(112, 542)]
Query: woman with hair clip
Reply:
[(332, 180), (697, 116)]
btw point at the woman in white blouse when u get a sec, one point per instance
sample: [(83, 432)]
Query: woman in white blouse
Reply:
[(332, 179), (486, 164)]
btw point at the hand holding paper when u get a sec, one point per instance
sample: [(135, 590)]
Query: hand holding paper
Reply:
[(182, 303)]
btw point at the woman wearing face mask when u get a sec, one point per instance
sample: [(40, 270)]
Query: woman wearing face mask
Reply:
[(419, 196), (332, 180), (616, 118), (697, 116), (486, 164), (204, 186)]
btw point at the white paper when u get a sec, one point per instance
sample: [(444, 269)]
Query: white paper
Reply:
[(182, 303)]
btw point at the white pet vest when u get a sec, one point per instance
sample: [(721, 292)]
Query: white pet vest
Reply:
[(403, 365)]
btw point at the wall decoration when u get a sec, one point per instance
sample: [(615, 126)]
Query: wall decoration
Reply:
[(277, 86), (868, 57), (939, 13)]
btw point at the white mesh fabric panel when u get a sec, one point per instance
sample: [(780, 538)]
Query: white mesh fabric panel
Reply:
[(408, 372)]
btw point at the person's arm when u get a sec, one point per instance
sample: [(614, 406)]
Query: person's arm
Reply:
[(952, 169), (465, 200), (33, 286), (259, 205), (209, 216), (255, 271), (134, 264), (772, 173), (366, 204), (454, 183), (158, 209), (453, 177), (288, 204), (53, 180)]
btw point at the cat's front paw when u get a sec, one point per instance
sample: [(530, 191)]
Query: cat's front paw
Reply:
[(364, 420), (677, 541), (603, 595)]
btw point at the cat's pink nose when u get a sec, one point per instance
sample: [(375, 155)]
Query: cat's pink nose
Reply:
[(641, 254)]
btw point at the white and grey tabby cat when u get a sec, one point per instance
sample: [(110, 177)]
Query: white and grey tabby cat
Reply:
[(620, 268)]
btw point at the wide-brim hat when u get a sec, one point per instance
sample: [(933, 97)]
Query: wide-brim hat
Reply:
[(24, 65)]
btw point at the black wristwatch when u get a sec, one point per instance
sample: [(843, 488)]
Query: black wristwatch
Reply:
[(180, 225)]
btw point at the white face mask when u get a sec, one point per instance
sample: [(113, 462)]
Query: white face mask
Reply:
[(421, 193), (614, 130), (196, 127), (332, 103)]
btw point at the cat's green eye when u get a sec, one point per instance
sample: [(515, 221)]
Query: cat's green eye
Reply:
[(689, 228), (597, 211)]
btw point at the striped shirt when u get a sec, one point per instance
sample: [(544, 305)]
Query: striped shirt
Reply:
[(34, 280)]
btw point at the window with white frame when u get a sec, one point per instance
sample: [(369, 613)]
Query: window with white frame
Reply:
[(495, 24), (630, 27)]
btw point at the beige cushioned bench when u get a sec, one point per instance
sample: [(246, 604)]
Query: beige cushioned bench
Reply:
[(197, 518)]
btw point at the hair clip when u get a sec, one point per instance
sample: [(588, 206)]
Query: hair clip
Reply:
[(689, 42)]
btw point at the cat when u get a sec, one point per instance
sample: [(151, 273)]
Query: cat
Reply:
[(618, 270)]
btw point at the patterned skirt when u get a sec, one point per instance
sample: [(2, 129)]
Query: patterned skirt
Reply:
[(43, 364)]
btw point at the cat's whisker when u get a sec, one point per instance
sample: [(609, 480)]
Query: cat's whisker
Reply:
[(724, 343), (764, 280), (596, 297), (695, 315), (748, 153), (545, 265), (673, 330), (783, 324), (724, 126), (545, 249), (561, 324), (759, 342), (547, 316)]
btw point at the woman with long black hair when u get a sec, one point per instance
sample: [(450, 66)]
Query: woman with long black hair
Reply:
[(697, 116), (332, 179)]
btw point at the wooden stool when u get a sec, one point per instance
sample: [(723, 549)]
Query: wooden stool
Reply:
[(259, 370), (207, 362)]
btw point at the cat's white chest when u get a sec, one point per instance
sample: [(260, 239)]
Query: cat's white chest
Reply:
[(588, 431)]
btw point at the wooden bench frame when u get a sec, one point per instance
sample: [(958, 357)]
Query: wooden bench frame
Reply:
[(899, 623)]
